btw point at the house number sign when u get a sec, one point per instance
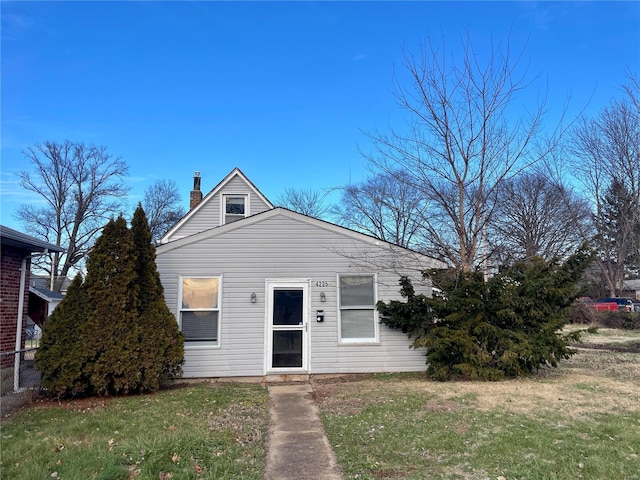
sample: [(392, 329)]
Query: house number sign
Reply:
[(321, 284)]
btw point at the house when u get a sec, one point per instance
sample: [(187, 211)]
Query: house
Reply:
[(17, 251), (631, 289), (43, 282), (262, 291), (42, 302)]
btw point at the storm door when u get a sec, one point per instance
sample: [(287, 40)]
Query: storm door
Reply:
[(287, 318)]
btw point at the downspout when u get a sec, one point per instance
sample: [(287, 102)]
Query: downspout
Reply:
[(52, 282), (53, 271), (16, 363)]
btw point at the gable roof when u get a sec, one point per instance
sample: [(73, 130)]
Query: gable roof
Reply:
[(14, 238), (281, 211), (235, 172)]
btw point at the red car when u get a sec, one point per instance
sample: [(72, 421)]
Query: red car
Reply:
[(615, 303)]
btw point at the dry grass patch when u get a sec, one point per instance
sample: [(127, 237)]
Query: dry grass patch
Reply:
[(610, 336), (592, 380), (581, 420), (574, 393)]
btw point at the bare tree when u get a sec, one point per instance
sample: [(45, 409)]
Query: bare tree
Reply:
[(606, 150), (465, 135), (162, 205), (304, 200), (536, 216), (632, 90), (81, 188), (386, 206), (617, 236)]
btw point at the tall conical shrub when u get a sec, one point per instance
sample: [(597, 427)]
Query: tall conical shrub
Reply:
[(62, 355), (112, 334), (161, 342), (111, 330)]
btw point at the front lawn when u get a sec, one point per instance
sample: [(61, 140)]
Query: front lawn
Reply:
[(196, 432), (579, 421)]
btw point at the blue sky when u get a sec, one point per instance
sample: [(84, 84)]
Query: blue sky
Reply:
[(281, 90)]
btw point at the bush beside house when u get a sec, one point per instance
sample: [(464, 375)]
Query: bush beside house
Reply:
[(113, 333), (505, 327)]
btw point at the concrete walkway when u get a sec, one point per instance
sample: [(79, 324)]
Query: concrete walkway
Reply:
[(298, 447)]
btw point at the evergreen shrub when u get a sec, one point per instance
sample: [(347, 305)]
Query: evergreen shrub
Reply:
[(62, 356), (505, 327), (113, 333)]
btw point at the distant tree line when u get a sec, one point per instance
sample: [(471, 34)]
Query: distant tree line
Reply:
[(473, 181)]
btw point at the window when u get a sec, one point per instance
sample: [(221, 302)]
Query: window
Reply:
[(200, 310), (234, 208), (357, 294)]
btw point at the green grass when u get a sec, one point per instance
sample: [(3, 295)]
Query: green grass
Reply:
[(580, 421), (567, 423), (198, 432), (403, 439)]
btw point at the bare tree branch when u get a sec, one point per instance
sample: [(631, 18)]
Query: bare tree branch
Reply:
[(162, 205), (386, 206), (536, 217), (306, 201), (463, 139), (81, 187)]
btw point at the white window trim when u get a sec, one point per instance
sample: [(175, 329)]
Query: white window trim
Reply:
[(360, 341), (202, 344), (223, 205)]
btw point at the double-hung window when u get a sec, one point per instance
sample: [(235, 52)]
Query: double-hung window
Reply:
[(234, 208), (200, 310), (357, 300)]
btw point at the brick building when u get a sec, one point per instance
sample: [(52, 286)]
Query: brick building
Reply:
[(15, 264)]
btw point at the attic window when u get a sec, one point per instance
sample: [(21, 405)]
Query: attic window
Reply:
[(235, 208)]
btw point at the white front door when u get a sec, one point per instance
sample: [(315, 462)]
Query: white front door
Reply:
[(287, 326)]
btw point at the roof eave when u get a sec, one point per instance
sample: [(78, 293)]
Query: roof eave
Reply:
[(16, 239)]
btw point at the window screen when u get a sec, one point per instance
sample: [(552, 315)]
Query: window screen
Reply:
[(357, 308)]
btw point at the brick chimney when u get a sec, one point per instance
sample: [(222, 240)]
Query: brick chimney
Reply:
[(196, 195)]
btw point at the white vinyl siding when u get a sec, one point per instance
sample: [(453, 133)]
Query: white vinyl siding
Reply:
[(210, 212), (357, 301), (285, 245), (199, 310)]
